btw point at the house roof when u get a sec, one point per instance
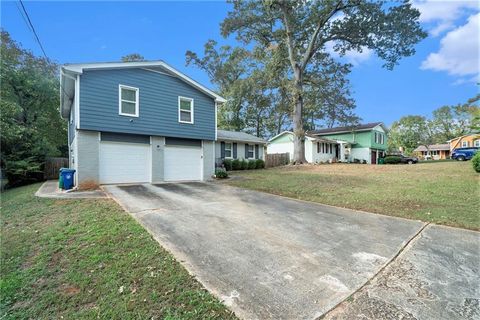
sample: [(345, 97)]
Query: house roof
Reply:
[(465, 135), (360, 127), (70, 71), (308, 136), (238, 136), (433, 147)]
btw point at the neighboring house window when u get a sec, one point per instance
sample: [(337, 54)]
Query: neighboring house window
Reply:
[(477, 143), (251, 151), (228, 149), (318, 147), (128, 101), (376, 137), (382, 138), (464, 144), (185, 110)]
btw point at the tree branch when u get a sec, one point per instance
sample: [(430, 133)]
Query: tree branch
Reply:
[(288, 30)]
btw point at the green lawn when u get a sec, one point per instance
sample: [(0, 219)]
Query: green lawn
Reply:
[(86, 259), (440, 192)]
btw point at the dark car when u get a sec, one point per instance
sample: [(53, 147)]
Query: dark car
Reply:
[(409, 160), (462, 154), (404, 158)]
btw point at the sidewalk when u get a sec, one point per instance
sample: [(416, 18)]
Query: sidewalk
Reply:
[(50, 190)]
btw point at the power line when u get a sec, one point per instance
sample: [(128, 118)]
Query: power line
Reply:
[(33, 29)]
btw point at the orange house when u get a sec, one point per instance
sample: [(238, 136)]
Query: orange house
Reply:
[(466, 141)]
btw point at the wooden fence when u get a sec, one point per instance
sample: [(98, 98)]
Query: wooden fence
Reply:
[(277, 159), (52, 167)]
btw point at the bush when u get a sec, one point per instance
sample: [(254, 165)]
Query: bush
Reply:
[(260, 164), (236, 165), (252, 164), (227, 163), (221, 173), (476, 161), (244, 164), (392, 159)]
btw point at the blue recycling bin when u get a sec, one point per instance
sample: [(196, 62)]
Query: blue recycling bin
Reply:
[(67, 178)]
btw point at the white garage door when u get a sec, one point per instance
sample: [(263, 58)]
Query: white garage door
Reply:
[(183, 163), (124, 162)]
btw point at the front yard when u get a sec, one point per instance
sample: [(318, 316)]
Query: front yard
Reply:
[(88, 259), (440, 192)]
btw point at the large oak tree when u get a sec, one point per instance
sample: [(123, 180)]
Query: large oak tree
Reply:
[(303, 28)]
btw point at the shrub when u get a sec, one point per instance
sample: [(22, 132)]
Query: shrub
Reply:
[(260, 164), (476, 161), (221, 173), (392, 160), (244, 164), (252, 164), (236, 165), (227, 163)]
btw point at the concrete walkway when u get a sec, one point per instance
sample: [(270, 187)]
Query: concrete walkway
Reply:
[(49, 189), (269, 257)]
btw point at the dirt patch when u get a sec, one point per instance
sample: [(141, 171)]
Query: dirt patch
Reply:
[(88, 185), (69, 290)]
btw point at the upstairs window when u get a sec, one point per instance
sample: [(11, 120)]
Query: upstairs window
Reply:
[(128, 101), (185, 110), (464, 144), (477, 143)]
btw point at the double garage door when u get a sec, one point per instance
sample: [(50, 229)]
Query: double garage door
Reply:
[(131, 162)]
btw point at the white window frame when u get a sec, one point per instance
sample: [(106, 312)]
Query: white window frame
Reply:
[(137, 102), (230, 149), (248, 151), (476, 143), (180, 98), (465, 144)]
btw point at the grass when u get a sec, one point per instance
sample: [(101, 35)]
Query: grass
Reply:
[(85, 259), (440, 192)]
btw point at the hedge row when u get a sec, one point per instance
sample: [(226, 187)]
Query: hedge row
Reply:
[(242, 164)]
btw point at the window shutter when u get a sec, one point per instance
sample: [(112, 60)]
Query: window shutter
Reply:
[(222, 150), (234, 151), (318, 147), (246, 151), (256, 151)]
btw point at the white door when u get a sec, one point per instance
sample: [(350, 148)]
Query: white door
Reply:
[(183, 163), (124, 162)]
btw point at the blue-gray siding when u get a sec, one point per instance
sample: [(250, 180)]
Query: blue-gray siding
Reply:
[(158, 110)]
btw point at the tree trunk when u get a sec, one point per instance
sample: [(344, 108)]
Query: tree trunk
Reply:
[(299, 133)]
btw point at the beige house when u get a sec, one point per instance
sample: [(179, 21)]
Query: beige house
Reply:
[(433, 152)]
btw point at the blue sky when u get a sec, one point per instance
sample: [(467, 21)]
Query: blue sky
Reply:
[(444, 70)]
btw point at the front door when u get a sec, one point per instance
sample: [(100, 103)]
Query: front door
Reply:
[(374, 157)]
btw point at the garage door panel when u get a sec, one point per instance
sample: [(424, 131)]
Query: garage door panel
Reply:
[(183, 163), (124, 162)]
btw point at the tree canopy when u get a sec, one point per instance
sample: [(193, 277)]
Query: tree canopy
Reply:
[(30, 120), (445, 123)]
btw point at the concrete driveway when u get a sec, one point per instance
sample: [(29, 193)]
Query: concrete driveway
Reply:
[(269, 257)]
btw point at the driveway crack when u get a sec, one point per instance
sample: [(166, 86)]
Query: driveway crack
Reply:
[(404, 248)]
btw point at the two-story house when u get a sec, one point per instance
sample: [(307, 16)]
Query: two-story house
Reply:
[(363, 143), (137, 122)]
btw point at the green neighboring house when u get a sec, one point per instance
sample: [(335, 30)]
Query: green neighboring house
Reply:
[(364, 143)]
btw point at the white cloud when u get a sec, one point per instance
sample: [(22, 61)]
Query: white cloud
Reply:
[(354, 57), (440, 15), (459, 51)]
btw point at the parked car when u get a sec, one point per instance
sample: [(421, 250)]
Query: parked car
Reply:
[(404, 159), (462, 154), (408, 160)]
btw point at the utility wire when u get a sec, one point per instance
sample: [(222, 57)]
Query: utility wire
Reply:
[(33, 29)]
